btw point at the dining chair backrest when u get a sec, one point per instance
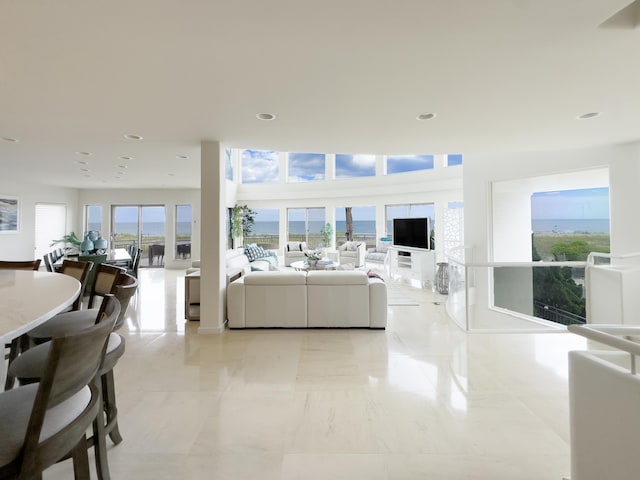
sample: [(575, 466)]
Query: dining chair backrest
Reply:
[(80, 271), (20, 265), (123, 293), (96, 260), (107, 278), (72, 365), (135, 263), (48, 262)]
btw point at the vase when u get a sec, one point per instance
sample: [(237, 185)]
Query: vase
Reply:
[(312, 263)]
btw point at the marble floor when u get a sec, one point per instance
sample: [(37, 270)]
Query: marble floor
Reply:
[(420, 400)]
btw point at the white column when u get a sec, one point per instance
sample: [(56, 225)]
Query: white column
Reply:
[(213, 232)]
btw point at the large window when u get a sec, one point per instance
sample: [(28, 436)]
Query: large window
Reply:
[(183, 231), (454, 159), (142, 225), (266, 228), (417, 210), (363, 224), (408, 163), (306, 167), (353, 166), (93, 218), (306, 224), (260, 166)]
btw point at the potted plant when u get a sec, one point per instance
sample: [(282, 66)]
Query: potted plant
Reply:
[(327, 235), (313, 256), (242, 220), (68, 239)]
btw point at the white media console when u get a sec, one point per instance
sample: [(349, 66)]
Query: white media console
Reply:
[(413, 264)]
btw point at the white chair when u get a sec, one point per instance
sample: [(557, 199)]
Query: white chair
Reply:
[(294, 252), (352, 252)]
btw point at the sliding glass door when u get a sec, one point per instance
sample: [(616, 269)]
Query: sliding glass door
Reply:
[(143, 226), (305, 224)]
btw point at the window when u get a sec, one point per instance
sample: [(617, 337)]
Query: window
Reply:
[(266, 228), (142, 225), (454, 159), (364, 225), (408, 163), (305, 225), (228, 164), (419, 210), (260, 166), (183, 231), (93, 218), (351, 166), (306, 167)]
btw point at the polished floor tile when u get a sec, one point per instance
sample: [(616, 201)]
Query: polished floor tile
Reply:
[(419, 400)]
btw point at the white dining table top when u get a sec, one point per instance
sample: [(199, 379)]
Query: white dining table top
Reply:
[(28, 298)]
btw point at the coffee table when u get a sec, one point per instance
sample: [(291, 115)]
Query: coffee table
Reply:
[(304, 266)]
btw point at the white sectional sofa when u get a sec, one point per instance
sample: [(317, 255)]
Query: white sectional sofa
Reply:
[(319, 298)]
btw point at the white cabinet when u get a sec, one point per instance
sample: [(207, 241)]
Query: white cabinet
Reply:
[(413, 264)]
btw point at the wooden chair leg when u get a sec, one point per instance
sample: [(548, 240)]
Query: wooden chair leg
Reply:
[(81, 460), (99, 441), (110, 407)]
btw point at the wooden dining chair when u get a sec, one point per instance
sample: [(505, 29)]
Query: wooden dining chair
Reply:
[(20, 265), (107, 278), (80, 271), (45, 422), (75, 321)]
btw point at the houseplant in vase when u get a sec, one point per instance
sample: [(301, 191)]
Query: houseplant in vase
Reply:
[(242, 220), (327, 236), (69, 239), (312, 257)]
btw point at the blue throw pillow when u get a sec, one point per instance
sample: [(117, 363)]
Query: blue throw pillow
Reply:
[(254, 252)]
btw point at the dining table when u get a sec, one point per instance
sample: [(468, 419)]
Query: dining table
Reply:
[(29, 298), (117, 256)]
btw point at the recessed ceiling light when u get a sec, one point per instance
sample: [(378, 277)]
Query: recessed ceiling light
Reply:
[(85, 154), (124, 157), (86, 175), (585, 116), (119, 173), (85, 170), (171, 174), (82, 162), (131, 136), (182, 157), (10, 140), (123, 166), (265, 116), (426, 116)]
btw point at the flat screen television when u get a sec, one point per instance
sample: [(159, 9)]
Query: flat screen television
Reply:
[(411, 232)]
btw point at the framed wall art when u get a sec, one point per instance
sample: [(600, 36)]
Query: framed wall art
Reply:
[(9, 214)]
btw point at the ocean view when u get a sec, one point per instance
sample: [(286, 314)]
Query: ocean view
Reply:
[(586, 225), (149, 228)]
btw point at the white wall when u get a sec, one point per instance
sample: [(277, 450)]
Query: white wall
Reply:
[(623, 162), (21, 245), (167, 197)]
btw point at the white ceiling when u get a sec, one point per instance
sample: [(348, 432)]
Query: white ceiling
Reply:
[(342, 76)]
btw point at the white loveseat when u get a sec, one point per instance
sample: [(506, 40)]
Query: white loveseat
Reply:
[(319, 298)]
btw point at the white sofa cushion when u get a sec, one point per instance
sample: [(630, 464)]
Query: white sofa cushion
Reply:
[(271, 299), (337, 299)]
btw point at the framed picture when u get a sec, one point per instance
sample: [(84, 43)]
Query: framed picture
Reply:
[(8, 214)]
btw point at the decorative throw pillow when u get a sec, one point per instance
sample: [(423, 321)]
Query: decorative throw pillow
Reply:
[(253, 252), (352, 246)]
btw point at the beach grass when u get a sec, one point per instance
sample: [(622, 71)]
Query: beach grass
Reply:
[(544, 242)]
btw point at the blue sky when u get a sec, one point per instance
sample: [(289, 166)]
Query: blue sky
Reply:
[(261, 166), (571, 204)]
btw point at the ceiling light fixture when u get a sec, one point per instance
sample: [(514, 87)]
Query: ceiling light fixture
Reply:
[(171, 174), (426, 116), (124, 157), (123, 166), (588, 115), (265, 116), (130, 136), (82, 162), (182, 157), (85, 154), (10, 140)]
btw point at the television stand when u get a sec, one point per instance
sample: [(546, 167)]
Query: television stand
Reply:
[(413, 264)]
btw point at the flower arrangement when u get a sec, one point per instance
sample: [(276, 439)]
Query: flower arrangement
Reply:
[(313, 255)]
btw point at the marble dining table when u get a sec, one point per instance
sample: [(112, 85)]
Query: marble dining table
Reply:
[(28, 298)]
